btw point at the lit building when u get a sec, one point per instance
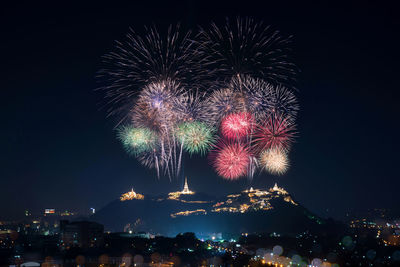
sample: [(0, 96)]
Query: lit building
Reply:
[(252, 199), (131, 195), (279, 190), (185, 191), (49, 211)]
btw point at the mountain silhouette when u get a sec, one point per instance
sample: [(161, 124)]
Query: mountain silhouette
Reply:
[(249, 211)]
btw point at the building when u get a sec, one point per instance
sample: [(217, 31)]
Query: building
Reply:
[(185, 191), (131, 195), (48, 212), (82, 234)]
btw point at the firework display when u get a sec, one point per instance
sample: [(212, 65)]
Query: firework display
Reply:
[(226, 92)]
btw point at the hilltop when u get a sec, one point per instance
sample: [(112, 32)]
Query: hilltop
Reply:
[(249, 211)]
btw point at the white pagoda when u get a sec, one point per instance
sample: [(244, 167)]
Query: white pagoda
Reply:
[(185, 191)]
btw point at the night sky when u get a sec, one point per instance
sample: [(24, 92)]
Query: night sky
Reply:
[(58, 149)]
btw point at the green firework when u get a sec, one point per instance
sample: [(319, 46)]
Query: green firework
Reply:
[(196, 137), (136, 140)]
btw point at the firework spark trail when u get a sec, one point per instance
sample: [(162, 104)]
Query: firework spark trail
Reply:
[(156, 165), (163, 157), (155, 109), (253, 164), (246, 47), (180, 154), (169, 160)]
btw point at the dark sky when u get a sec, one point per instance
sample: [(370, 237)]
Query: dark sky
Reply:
[(59, 151)]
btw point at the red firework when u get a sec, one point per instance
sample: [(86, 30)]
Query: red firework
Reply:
[(277, 132), (237, 125), (231, 160)]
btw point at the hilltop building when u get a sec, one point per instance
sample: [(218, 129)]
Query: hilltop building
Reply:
[(131, 195), (185, 191)]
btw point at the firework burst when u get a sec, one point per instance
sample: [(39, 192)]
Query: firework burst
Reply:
[(237, 125), (196, 137), (190, 107), (136, 140), (253, 94), (277, 132), (231, 160), (281, 100), (154, 107), (262, 98), (221, 103), (275, 161)]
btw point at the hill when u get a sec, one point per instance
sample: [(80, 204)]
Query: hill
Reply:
[(249, 211)]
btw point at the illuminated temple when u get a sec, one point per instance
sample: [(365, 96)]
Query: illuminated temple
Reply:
[(186, 209), (131, 195), (245, 201), (252, 199), (185, 191)]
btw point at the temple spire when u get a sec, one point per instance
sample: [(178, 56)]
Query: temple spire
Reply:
[(185, 191), (275, 187), (186, 187)]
